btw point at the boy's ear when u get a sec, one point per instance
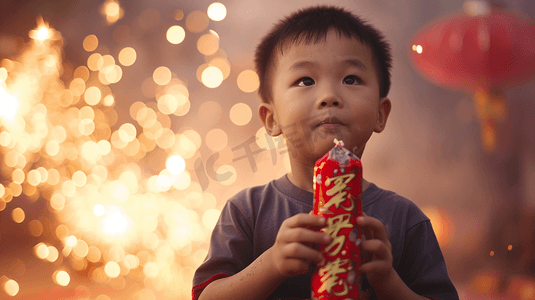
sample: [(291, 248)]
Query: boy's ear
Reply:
[(382, 114), (267, 115)]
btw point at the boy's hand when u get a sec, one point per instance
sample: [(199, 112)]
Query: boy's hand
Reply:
[(377, 251), (292, 252)]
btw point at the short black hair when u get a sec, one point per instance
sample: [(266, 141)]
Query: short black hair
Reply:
[(311, 25)]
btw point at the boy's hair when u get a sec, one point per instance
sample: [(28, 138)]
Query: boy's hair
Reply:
[(311, 25)]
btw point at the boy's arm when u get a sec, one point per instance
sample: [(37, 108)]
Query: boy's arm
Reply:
[(377, 263), (290, 256), (256, 281)]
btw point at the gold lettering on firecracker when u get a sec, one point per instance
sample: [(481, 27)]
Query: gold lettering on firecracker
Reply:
[(334, 225), (321, 200), (338, 192), (329, 277)]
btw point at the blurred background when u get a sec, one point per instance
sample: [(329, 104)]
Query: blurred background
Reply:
[(125, 126)]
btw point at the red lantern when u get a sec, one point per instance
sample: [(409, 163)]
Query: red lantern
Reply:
[(480, 52)]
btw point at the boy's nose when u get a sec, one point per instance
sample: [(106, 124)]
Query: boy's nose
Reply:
[(329, 99), (330, 103)]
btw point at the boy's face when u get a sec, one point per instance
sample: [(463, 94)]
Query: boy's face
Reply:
[(322, 91)]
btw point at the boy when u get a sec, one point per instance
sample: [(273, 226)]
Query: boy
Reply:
[(324, 74)]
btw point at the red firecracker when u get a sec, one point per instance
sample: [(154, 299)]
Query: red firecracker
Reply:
[(337, 197)]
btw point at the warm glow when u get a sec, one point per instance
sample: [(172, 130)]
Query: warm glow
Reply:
[(442, 224), (217, 11), (9, 106), (62, 278), (178, 15), (99, 210), (197, 21), (43, 33), (18, 215), (208, 44), (112, 269), (41, 251), (71, 241), (11, 287), (92, 95), (53, 254), (131, 228), (112, 11), (248, 81), (114, 222), (90, 43), (210, 217), (222, 64), (212, 77), (127, 56), (175, 34), (162, 75), (175, 164), (241, 114), (81, 248), (95, 62), (216, 139)]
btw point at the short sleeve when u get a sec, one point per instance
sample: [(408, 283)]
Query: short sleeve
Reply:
[(230, 248), (422, 266)]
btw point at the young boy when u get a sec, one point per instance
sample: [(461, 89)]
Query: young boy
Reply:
[(324, 74)]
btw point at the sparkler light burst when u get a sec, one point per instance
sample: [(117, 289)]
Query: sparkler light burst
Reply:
[(59, 143)]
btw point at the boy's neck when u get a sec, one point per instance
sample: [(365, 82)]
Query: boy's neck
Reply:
[(302, 176)]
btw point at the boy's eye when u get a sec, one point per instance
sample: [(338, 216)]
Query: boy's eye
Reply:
[(305, 81), (352, 79)]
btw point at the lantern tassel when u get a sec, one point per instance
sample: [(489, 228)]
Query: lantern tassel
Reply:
[(490, 109)]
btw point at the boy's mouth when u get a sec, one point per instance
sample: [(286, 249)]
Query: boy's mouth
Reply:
[(330, 122)]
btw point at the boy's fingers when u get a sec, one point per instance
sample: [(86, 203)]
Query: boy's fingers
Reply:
[(376, 247), (373, 228), (300, 251), (303, 235), (303, 220)]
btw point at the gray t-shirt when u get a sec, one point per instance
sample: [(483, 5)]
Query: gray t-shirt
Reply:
[(250, 221)]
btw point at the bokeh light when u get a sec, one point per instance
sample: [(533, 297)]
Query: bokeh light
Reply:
[(18, 215), (11, 287), (217, 11), (212, 77), (127, 56), (66, 147), (208, 44), (216, 139), (8, 105), (241, 114), (175, 34), (162, 75), (197, 21), (92, 95), (112, 269), (112, 11), (178, 15), (248, 81), (175, 164), (90, 43), (62, 278)]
